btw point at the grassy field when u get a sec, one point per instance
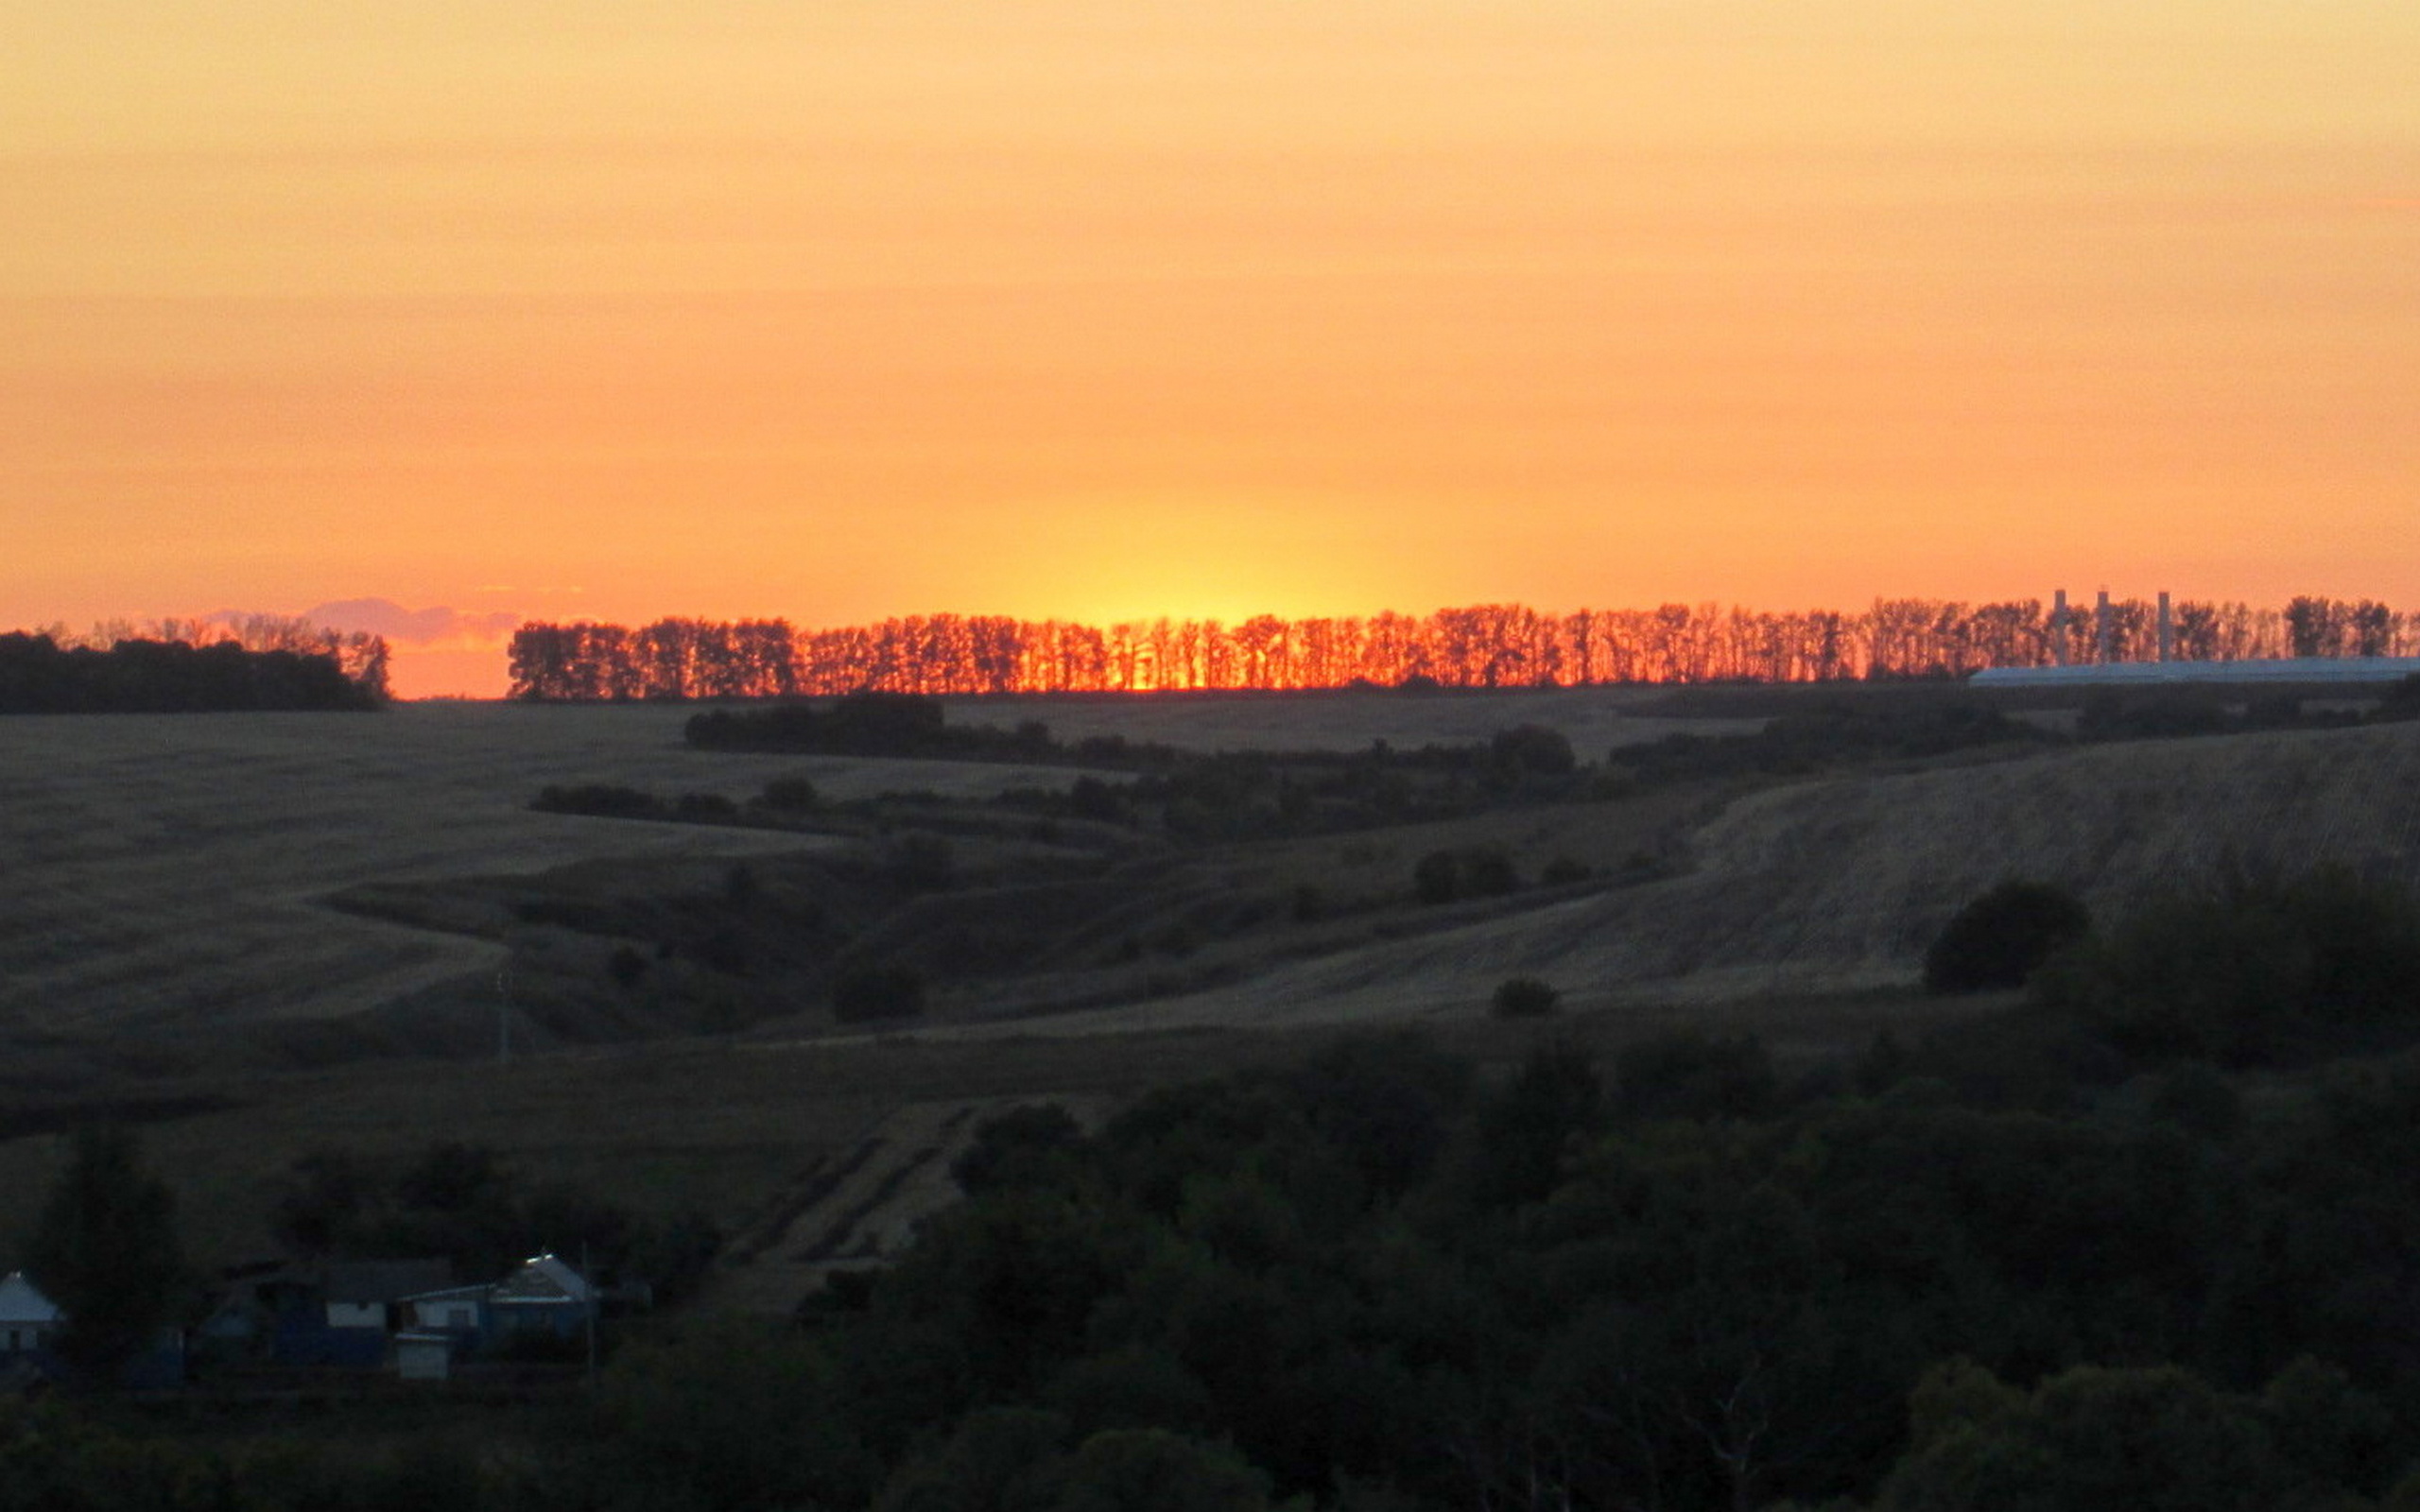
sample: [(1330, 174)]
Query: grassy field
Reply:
[(1837, 886), (733, 1129), (177, 863), (1594, 719), (170, 867), (169, 872)]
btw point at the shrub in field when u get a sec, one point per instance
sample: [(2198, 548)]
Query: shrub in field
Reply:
[(1092, 799), (1437, 877), (1441, 876), (704, 808), (626, 966), (2003, 936), (1523, 997), (1531, 749)]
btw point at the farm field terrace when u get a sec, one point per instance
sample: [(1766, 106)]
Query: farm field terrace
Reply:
[(179, 867), (169, 867)]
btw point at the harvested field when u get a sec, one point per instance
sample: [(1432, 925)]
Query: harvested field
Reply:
[(1839, 885), (180, 860), (177, 862), (168, 866), (1594, 719)]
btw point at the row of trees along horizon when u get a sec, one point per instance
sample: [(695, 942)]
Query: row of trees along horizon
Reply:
[(172, 666), (1489, 645)]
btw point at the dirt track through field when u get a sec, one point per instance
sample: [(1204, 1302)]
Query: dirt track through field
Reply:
[(858, 1205), (165, 870)]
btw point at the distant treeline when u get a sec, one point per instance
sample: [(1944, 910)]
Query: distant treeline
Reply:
[(1488, 646), (296, 668)]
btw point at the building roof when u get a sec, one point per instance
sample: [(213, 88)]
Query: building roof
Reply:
[(363, 1282), (450, 1293), (543, 1281), (2279, 669), (22, 1302)]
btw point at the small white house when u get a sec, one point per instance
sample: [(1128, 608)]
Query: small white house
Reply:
[(29, 1320), (457, 1310)]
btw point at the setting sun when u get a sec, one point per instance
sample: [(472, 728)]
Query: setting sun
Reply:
[(844, 314)]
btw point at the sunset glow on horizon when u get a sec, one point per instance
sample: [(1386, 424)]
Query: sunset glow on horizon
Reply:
[(839, 313)]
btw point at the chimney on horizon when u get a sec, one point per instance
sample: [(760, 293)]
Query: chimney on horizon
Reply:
[(2059, 628), (2101, 628), (2166, 630)]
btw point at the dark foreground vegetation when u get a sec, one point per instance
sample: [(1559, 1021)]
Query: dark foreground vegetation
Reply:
[(2146, 1238), (38, 676)]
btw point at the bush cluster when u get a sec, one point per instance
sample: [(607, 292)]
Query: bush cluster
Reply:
[(2247, 969), (2003, 936), (1443, 876)]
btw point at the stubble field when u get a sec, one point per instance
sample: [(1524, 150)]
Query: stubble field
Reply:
[(168, 871), (1837, 886)]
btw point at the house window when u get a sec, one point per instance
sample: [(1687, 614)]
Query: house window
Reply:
[(458, 1317)]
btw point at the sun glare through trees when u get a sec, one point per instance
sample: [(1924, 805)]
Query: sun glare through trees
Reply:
[(1491, 645)]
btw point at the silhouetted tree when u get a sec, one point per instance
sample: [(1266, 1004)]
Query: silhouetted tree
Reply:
[(105, 1249)]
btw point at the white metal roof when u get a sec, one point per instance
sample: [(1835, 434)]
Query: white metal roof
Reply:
[(22, 1302), (2276, 669), (544, 1280)]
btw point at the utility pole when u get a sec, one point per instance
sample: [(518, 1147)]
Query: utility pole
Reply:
[(588, 1305), (504, 1014)]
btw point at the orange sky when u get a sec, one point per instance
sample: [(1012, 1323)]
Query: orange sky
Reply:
[(845, 310)]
